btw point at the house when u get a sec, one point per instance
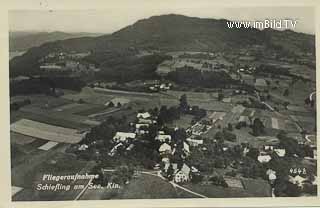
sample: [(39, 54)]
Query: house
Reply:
[(163, 138), (123, 136), (264, 158), (165, 149), (130, 147), (268, 147), (141, 128), (83, 147), (261, 83), (195, 142), (144, 115), (183, 175), (114, 149), (298, 180), (186, 148), (271, 175), (280, 152), (146, 121)]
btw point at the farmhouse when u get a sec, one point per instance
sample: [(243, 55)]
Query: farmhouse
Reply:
[(123, 136)]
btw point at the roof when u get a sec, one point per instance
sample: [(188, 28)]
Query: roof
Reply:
[(144, 115), (185, 169), (138, 126), (280, 152), (186, 147), (261, 83), (164, 147), (122, 136), (264, 158), (163, 137), (297, 180)]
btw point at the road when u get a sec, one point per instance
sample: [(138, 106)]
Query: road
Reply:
[(157, 174)]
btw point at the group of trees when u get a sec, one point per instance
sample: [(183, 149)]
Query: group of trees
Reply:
[(139, 68), (45, 85), (194, 77)]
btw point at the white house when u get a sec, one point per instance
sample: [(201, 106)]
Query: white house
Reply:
[(163, 138), (271, 175), (280, 152), (186, 148), (264, 158), (140, 130), (144, 115), (183, 175), (123, 136), (165, 149), (114, 149), (195, 142), (298, 180)]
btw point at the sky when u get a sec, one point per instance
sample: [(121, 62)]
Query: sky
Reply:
[(113, 19)]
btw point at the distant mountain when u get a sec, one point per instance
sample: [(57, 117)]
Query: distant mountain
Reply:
[(170, 33), (24, 40)]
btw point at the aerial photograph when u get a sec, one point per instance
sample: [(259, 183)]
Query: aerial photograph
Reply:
[(162, 104)]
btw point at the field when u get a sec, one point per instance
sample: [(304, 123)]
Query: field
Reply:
[(148, 187), (45, 131), (213, 191), (183, 122), (52, 162)]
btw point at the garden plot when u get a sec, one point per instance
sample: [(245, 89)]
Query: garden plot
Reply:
[(45, 131)]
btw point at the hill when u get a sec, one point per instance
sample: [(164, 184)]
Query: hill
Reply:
[(24, 40), (168, 33)]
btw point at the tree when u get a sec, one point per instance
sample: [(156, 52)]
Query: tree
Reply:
[(110, 104), (230, 128), (220, 96), (183, 103), (118, 105), (258, 127)]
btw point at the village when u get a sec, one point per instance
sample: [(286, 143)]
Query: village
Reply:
[(256, 138)]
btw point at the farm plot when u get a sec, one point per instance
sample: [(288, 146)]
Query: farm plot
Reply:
[(183, 122), (65, 119), (44, 101), (257, 187), (89, 96), (45, 131), (20, 139)]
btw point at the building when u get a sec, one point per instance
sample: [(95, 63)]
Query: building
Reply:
[(165, 149), (280, 152), (271, 175), (195, 142), (123, 136), (183, 175), (141, 128), (163, 138), (264, 158), (144, 115)]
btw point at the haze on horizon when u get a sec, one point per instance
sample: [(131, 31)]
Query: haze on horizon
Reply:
[(111, 20)]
